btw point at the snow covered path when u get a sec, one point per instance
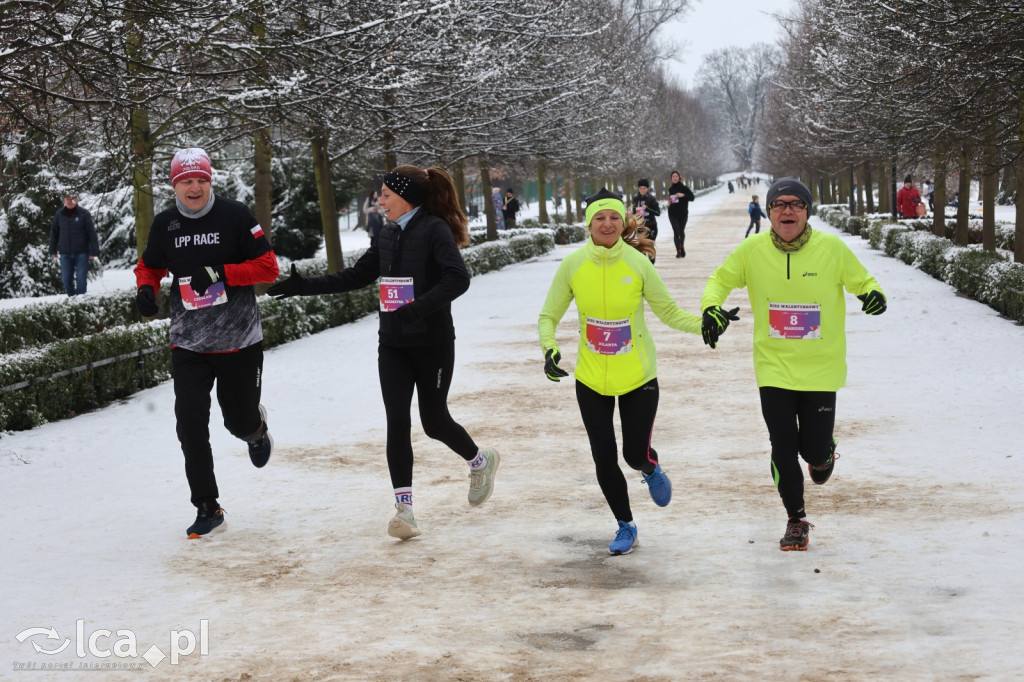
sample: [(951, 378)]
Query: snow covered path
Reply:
[(913, 571)]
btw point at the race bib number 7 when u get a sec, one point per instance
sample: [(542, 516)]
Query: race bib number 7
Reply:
[(609, 337), (794, 321), (395, 292)]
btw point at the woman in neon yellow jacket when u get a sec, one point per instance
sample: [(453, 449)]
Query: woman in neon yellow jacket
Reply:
[(796, 279), (610, 278)]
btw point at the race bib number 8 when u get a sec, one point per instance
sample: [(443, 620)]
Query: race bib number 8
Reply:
[(395, 292), (794, 321), (215, 295), (609, 337)]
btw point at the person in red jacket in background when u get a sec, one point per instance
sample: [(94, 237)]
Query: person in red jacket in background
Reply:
[(215, 252), (907, 199)]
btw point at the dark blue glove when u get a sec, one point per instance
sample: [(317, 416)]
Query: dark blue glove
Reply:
[(205, 276), (145, 299), (551, 368), (714, 323), (874, 302)]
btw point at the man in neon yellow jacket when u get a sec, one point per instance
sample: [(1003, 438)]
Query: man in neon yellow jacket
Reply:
[(610, 278), (795, 278)]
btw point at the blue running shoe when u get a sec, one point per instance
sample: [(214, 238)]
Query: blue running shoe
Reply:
[(625, 539), (659, 485)]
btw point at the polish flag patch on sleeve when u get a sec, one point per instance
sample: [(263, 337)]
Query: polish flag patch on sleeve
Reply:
[(257, 232)]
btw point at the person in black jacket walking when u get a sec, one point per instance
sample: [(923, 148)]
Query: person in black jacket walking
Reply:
[(646, 207), (421, 272), (679, 198), (73, 239)]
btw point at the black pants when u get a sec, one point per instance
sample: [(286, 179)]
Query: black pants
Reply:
[(752, 225), (428, 369), (678, 222), (800, 424), (238, 377), (636, 412)]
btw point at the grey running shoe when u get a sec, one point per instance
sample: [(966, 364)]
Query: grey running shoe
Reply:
[(481, 483), (403, 526)]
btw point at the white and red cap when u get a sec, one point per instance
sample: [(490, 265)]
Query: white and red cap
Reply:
[(190, 163)]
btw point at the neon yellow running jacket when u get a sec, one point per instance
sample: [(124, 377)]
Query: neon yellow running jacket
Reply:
[(615, 354), (799, 307)]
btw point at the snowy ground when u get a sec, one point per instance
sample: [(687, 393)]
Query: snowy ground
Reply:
[(913, 572)]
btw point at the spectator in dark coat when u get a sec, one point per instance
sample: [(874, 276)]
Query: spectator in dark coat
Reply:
[(73, 239), (510, 209)]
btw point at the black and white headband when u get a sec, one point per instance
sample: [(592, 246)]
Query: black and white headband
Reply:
[(406, 187)]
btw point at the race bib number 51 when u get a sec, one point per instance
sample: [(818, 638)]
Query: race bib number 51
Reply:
[(395, 292), (609, 337), (794, 321)]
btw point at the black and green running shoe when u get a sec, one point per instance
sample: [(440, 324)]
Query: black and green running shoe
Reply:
[(822, 472)]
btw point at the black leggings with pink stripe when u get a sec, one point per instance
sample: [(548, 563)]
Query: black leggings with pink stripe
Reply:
[(636, 412)]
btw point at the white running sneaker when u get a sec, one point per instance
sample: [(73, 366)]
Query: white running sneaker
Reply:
[(403, 526), (481, 483)]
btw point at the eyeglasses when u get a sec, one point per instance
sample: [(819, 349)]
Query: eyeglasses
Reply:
[(796, 204)]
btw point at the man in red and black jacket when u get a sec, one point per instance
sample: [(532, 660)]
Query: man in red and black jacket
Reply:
[(215, 252)]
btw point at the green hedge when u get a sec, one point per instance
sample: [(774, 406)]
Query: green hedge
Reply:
[(79, 355), (986, 276)]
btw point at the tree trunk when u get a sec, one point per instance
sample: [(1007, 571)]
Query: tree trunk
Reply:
[(578, 193), (328, 209), (489, 209), (884, 201), (459, 178), (990, 185), (869, 187), (141, 137), (262, 188), (964, 200), (1018, 234), (859, 186), (542, 193), (941, 163)]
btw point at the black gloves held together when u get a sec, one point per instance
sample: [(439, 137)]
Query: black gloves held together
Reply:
[(406, 314), (551, 368), (203, 277), (145, 299), (715, 321), (287, 287), (874, 302)]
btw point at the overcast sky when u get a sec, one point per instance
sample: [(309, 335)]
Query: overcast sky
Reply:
[(714, 24)]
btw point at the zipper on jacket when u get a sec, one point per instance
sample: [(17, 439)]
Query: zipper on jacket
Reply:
[(787, 265)]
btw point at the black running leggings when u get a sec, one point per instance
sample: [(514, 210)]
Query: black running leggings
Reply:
[(238, 393), (678, 222), (428, 369), (636, 412), (800, 424)]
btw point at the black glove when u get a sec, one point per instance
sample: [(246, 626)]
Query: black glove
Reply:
[(551, 368), (406, 314), (203, 277), (715, 322), (874, 302), (145, 299), (287, 287)]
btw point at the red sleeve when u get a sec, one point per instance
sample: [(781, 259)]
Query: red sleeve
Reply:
[(151, 276), (256, 271)]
